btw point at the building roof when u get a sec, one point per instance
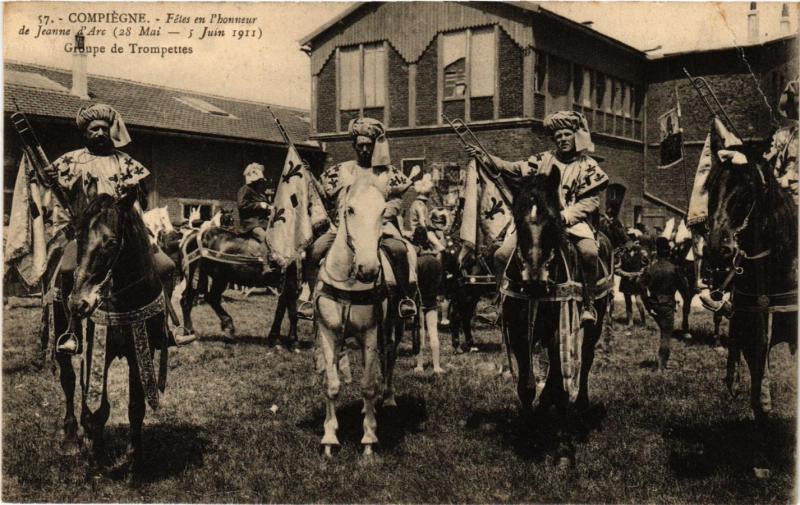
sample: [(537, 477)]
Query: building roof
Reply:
[(524, 5), (777, 40), (44, 91)]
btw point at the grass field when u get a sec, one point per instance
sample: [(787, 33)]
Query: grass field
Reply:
[(671, 437)]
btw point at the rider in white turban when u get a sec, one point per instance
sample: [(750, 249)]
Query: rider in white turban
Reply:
[(582, 180)]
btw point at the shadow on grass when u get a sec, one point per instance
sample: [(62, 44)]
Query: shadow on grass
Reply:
[(394, 423), (730, 447), (533, 436), (169, 450), (255, 340)]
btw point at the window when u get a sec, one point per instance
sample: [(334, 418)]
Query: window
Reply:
[(352, 84), (454, 59), (600, 92), (539, 72), (406, 164), (203, 106), (374, 76), (482, 54), (478, 64), (206, 210), (350, 87)]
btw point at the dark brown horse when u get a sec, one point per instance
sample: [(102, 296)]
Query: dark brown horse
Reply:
[(541, 306), (752, 250), (118, 293), (233, 267)]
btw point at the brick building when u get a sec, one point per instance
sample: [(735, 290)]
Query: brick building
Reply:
[(195, 145), (503, 67)]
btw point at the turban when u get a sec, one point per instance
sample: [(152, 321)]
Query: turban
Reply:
[(253, 172), (100, 111), (571, 120), (788, 102), (376, 132)]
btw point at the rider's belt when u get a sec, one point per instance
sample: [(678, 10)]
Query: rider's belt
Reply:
[(370, 296)]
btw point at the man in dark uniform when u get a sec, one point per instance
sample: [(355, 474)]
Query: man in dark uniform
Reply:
[(662, 279), (254, 208)]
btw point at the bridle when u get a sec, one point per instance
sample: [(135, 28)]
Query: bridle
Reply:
[(348, 239), (104, 287), (739, 254)]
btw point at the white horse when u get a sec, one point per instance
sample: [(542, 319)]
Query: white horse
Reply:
[(351, 302), (157, 222)]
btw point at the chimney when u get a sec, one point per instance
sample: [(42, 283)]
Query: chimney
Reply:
[(80, 81), (752, 24), (786, 28)]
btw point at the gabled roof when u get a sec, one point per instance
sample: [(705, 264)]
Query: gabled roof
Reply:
[(152, 106), (523, 5)]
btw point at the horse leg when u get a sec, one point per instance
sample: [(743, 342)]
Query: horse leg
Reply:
[(94, 422), (466, 322), (69, 444), (215, 302), (188, 298), (628, 309), (687, 308), (454, 318), (517, 327), (370, 387), (275, 329), (136, 411), (330, 348), (755, 351), (717, 323), (590, 338), (394, 333)]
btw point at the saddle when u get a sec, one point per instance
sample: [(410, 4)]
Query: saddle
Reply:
[(253, 251)]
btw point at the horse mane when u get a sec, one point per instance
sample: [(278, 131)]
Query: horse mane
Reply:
[(539, 190), (131, 223)]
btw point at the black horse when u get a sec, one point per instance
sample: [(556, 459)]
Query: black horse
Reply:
[(234, 260), (466, 281), (752, 250), (541, 307)]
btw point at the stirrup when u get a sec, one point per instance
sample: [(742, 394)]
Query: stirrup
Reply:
[(407, 308), (588, 316), (68, 343), (306, 310), (181, 337)]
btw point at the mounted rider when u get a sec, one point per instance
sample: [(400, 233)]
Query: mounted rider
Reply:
[(582, 180), (372, 157), (113, 172), (253, 205), (784, 149)]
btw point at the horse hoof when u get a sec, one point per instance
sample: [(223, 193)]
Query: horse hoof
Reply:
[(687, 336), (390, 401), (328, 451), (368, 450), (563, 463)]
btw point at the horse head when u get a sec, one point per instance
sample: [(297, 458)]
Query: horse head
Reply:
[(538, 222), (362, 220), (100, 239), (748, 212)]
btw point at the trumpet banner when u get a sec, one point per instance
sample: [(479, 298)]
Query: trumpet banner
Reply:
[(485, 213), (291, 224), (26, 240)]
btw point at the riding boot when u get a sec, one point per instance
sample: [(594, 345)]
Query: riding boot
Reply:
[(589, 315)]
